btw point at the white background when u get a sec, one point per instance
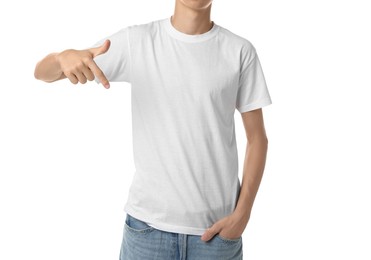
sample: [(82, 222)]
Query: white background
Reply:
[(66, 153)]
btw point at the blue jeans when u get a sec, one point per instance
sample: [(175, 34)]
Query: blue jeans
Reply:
[(143, 242)]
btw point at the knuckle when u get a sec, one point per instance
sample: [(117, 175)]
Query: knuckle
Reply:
[(211, 231), (86, 60), (72, 70), (79, 65)]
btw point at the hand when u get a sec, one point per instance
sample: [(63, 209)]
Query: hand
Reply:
[(230, 227), (79, 66)]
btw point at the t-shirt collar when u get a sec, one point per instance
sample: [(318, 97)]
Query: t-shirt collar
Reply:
[(189, 37)]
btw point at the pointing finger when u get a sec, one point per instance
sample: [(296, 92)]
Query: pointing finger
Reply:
[(99, 74)]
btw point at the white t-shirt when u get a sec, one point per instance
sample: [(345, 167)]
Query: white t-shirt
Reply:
[(184, 93)]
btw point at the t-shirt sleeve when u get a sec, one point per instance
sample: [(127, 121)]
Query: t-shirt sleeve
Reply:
[(252, 91), (115, 63)]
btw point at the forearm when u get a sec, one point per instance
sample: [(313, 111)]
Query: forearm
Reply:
[(48, 69), (255, 158)]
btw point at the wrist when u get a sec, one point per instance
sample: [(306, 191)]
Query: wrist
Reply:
[(57, 63), (56, 59), (242, 212), (241, 217)]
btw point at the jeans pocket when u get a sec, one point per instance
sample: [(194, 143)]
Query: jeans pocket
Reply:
[(137, 226), (228, 240)]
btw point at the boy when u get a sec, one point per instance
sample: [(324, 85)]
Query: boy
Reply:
[(188, 75)]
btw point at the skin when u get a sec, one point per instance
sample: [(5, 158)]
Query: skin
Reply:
[(76, 65), (190, 17), (233, 225)]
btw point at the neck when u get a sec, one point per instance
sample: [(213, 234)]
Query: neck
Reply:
[(191, 21)]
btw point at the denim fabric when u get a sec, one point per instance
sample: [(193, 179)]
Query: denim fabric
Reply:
[(143, 242)]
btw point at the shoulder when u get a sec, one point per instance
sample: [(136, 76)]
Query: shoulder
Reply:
[(237, 42), (145, 28)]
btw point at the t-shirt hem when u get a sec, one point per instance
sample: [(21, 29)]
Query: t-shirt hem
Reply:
[(259, 104), (162, 226)]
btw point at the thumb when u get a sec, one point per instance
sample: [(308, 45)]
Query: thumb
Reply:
[(209, 233), (100, 49)]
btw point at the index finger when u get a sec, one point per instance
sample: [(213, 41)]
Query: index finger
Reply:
[(98, 73)]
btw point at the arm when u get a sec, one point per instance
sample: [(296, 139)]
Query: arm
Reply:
[(254, 164), (76, 65), (233, 225)]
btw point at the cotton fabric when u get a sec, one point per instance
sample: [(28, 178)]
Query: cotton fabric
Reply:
[(185, 90)]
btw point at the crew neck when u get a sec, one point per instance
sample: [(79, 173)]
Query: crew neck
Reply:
[(189, 37)]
